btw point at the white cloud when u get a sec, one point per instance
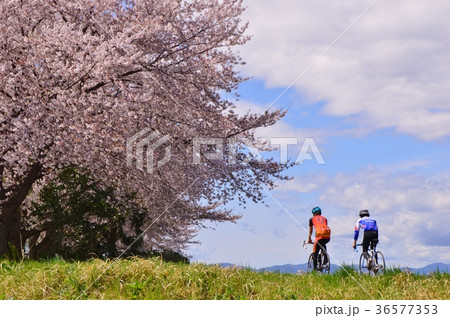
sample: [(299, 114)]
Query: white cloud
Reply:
[(297, 186), (389, 70), (280, 128), (388, 193), (412, 211)]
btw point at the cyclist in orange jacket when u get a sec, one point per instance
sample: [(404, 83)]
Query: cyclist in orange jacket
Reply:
[(323, 233)]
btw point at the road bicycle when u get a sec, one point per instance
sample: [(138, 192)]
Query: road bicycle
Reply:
[(323, 260), (375, 264)]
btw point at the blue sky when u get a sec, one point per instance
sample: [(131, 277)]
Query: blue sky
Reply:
[(376, 103)]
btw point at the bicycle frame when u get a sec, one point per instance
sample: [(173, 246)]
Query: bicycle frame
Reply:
[(321, 264)]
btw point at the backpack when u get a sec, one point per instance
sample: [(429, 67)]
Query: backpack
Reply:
[(320, 224)]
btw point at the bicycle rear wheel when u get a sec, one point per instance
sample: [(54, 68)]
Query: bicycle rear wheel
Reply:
[(363, 268), (380, 263)]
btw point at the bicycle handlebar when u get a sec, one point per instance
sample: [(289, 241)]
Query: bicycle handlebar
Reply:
[(355, 249), (305, 243)]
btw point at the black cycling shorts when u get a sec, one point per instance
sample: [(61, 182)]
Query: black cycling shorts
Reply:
[(369, 237)]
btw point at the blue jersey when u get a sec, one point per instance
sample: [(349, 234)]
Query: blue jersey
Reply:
[(366, 223)]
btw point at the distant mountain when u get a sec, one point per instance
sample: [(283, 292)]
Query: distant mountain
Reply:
[(287, 268), (224, 265), (441, 267), (293, 269)]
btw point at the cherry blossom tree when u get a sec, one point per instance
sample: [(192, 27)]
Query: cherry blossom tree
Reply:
[(78, 78)]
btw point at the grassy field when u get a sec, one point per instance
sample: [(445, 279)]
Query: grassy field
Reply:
[(139, 278)]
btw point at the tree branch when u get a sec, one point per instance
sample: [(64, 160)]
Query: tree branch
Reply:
[(21, 191), (102, 83)]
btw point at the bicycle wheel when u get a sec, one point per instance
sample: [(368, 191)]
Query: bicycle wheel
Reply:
[(363, 269), (380, 263), (310, 263), (325, 261)]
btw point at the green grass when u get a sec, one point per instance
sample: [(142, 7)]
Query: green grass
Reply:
[(139, 278)]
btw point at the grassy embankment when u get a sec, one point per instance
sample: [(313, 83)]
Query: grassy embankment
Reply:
[(153, 279)]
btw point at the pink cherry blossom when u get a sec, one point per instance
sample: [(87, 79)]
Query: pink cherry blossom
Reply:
[(78, 78)]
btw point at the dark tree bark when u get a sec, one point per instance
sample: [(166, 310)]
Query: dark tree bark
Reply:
[(10, 211)]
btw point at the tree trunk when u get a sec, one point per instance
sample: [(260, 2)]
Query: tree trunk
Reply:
[(10, 218), (10, 243)]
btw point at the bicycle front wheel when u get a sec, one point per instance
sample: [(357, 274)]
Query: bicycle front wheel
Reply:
[(363, 268), (380, 263), (326, 264), (310, 263)]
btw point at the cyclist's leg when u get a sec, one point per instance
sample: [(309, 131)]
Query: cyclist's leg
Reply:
[(369, 236), (373, 244), (374, 240), (322, 243), (315, 252), (365, 244)]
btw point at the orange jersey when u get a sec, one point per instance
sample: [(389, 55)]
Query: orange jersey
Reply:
[(320, 224)]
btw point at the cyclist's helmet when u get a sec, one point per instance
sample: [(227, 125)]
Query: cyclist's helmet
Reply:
[(316, 211), (364, 213)]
